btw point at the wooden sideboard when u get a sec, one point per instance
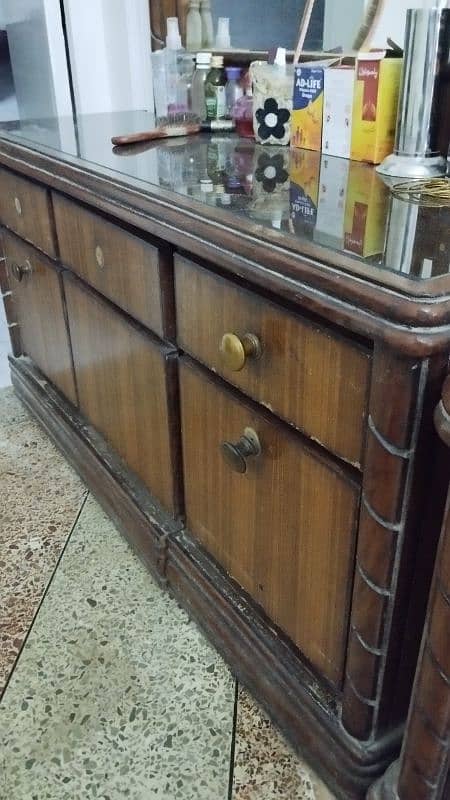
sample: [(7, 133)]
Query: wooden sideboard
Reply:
[(255, 412)]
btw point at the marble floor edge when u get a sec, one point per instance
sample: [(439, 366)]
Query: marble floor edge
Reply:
[(43, 596), (40, 498)]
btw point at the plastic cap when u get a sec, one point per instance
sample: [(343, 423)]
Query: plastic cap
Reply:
[(217, 61), (203, 58), (280, 58), (233, 73), (173, 38), (223, 33)]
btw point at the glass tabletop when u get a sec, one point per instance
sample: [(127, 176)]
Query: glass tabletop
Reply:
[(342, 205)]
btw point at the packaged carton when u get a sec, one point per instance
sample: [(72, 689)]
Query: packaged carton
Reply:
[(307, 105), (377, 84), (339, 85), (365, 211)]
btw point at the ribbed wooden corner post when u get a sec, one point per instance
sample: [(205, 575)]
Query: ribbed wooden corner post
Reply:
[(422, 772)]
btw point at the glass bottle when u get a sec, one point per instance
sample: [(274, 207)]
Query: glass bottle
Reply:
[(233, 89), (203, 63), (215, 90)]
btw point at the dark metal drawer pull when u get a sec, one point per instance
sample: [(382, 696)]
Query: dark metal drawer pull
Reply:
[(19, 271), (236, 454)]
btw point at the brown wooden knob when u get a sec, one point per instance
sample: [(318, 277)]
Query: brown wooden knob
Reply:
[(236, 454), (20, 270), (236, 350)]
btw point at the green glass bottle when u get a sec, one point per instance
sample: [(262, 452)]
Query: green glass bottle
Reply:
[(215, 95)]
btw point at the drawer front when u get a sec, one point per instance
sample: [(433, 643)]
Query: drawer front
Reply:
[(311, 378), (122, 379), (122, 267), (25, 208), (284, 529), (38, 293)]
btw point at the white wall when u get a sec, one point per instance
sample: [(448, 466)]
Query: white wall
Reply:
[(343, 17), (38, 60), (109, 43)]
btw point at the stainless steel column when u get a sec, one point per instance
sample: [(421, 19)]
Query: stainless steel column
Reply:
[(426, 59)]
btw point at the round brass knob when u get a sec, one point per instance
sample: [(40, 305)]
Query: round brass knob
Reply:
[(20, 270), (235, 350), (236, 454)]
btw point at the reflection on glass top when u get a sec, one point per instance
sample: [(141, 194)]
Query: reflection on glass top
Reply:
[(337, 204)]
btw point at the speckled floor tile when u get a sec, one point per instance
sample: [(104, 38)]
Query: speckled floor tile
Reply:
[(40, 497), (116, 693), (265, 767)]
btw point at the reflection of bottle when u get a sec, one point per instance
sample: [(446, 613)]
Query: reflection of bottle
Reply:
[(217, 160), (193, 27), (243, 111), (215, 89), (207, 24), (203, 61)]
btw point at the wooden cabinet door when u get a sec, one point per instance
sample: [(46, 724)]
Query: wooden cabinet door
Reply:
[(38, 293), (123, 379), (284, 530)]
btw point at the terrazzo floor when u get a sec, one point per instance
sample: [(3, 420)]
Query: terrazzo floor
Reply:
[(111, 690)]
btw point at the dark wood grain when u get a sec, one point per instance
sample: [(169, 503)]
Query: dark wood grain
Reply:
[(38, 300), (128, 270), (25, 208), (422, 770), (129, 504), (312, 378), (122, 385), (285, 530)]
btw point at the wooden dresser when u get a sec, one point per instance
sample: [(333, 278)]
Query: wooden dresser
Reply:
[(250, 396)]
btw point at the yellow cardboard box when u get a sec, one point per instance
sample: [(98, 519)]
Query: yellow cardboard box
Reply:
[(366, 211), (375, 101), (307, 107)]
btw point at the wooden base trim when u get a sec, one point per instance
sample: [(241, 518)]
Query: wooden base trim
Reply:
[(130, 506), (265, 664)]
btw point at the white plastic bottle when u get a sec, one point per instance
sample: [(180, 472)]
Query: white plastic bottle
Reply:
[(203, 63), (172, 51), (193, 27), (223, 34), (207, 24)]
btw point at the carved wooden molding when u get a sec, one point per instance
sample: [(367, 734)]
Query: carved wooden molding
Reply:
[(422, 770), (389, 462)]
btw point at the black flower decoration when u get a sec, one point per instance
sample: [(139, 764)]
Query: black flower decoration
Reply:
[(272, 120), (270, 171)]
